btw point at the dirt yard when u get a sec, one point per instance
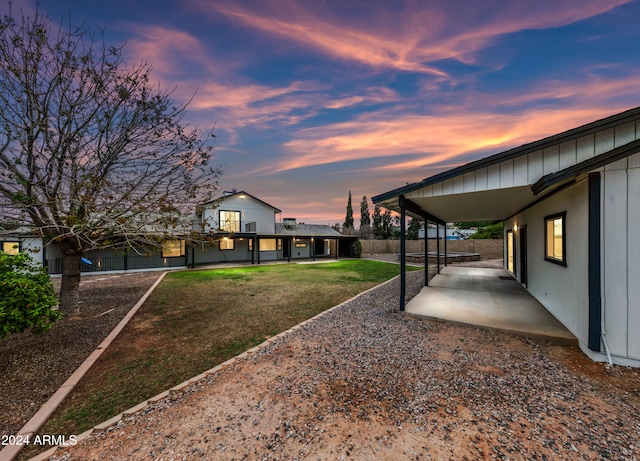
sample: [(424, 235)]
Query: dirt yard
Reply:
[(366, 382), (35, 366), (362, 382)]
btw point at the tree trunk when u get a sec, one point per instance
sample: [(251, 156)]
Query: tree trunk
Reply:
[(69, 296)]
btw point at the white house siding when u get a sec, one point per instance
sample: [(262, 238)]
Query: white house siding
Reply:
[(562, 290), (620, 262), (251, 210)]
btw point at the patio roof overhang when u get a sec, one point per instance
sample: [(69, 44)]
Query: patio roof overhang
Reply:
[(489, 205), (459, 195)]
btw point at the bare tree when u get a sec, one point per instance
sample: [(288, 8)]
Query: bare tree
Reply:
[(92, 155)]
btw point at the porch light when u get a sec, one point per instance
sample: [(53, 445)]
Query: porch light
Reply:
[(515, 228)]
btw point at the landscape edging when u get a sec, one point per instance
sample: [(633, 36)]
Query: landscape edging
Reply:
[(10, 452), (116, 419)]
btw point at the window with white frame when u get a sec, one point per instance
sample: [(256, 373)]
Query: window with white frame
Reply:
[(229, 221), (555, 238)]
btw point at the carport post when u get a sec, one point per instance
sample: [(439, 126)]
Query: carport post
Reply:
[(445, 245), (438, 244), (426, 254), (403, 277)]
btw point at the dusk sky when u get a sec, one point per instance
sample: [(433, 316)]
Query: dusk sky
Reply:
[(311, 99)]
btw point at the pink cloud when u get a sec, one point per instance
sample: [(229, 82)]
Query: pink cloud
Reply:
[(387, 39), (458, 130)]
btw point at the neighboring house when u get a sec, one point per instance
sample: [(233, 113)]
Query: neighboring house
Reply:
[(569, 204), (236, 227), (451, 233)]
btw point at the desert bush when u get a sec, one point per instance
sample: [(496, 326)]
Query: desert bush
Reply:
[(27, 297)]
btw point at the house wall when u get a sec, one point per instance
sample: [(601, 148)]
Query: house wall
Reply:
[(302, 252), (250, 210), (210, 253), (33, 246), (621, 256), (562, 290)]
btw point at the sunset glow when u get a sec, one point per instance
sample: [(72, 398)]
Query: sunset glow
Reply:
[(311, 100)]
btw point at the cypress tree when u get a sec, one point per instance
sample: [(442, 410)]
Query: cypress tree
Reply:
[(348, 220)]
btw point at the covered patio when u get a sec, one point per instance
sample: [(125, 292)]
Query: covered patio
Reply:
[(487, 298), (568, 210)]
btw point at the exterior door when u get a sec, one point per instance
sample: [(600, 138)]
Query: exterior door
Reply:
[(523, 256)]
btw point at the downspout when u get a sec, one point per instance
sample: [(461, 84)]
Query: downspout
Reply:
[(403, 251), (606, 347)]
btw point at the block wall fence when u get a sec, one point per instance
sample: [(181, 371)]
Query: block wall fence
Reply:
[(488, 249)]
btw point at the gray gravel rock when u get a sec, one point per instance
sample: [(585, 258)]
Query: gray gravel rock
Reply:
[(364, 381)]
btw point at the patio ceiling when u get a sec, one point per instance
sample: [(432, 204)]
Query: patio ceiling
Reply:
[(489, 205)]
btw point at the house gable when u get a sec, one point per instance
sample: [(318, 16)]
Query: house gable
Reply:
[(240, 212)]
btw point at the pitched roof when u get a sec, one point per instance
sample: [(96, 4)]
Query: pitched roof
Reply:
[(241, 192), (308, 230), (574, 133)]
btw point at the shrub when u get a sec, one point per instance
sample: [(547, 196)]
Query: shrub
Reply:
[(27, 297), (357, 249), (493, 231)]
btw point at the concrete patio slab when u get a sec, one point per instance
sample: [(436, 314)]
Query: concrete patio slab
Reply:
[(489, 298)]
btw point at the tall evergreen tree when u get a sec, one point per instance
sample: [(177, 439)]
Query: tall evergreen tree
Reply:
[(365, 219), (377, 221), (387, 227), (348, 220)]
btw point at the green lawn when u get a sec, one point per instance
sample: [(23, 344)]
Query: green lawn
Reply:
[(195, 320)]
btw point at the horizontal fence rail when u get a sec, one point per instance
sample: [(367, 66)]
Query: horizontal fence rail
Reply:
[(120, 263)]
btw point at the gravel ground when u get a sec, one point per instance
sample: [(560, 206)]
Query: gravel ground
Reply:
[(35, 366), (366, 382)]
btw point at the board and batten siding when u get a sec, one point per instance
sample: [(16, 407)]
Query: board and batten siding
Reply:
[(621, 256), (563, 291), (525, 170)]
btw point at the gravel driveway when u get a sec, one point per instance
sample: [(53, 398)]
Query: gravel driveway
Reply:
[(365, 382)]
